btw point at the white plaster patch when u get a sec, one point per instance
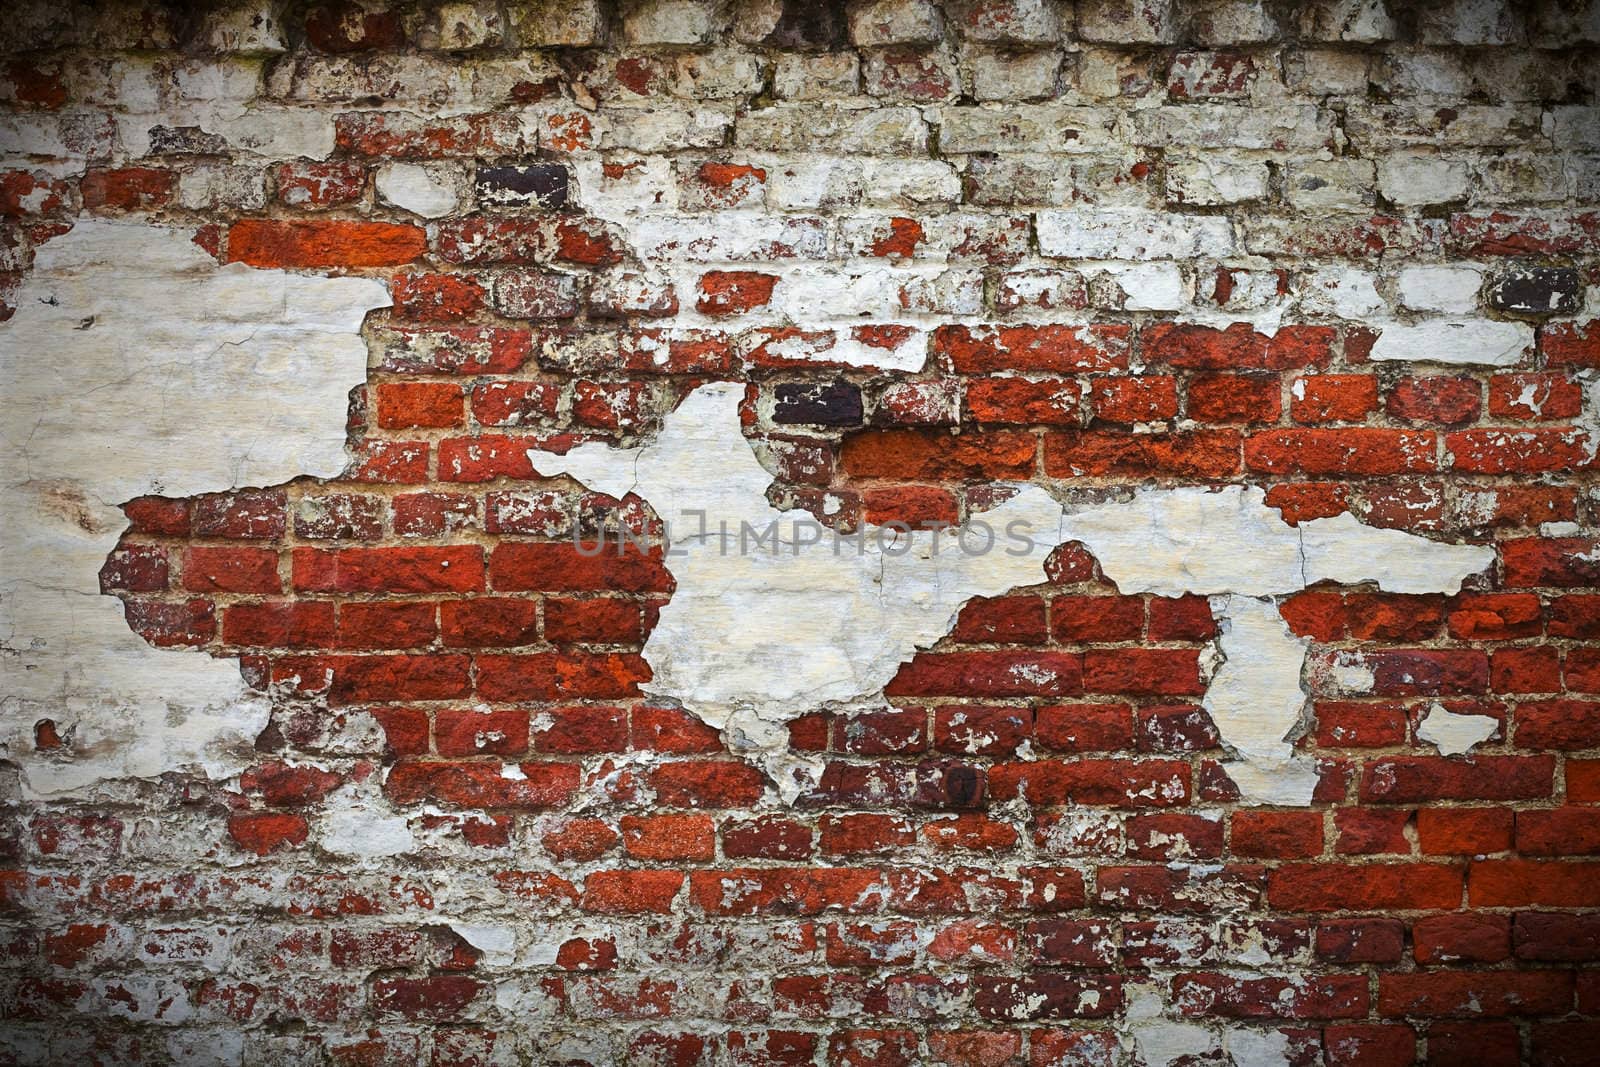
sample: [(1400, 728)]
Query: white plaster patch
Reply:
[(1458, 342), (418, 189), (1453, 733), (174, 376), (356, 826), (774, 616), (497, 943), (1230, 546)]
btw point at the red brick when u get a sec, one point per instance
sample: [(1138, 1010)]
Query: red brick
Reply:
[(707, 784), (1534, 883), (989, 674), (1371, 831), (489, 622), (463, 732), (387, 625), (1351, 724), (1146, 398), (1499, 233), (1020, 402), (1525, 670), (976, 730), (1277, 834), (442, 298), (482, 785), (279, 624), (1556, 562), (1361, 940), (560, 676), (1571, 344), (876, 733), (1319, 398), (560, 566), (1011, 620), (1462, 937), (311, 184), (672, 730), (402, 405), (1468, 993), (172, 624), (734, 292), (276, 243), (1304, 501), (983, 350), (1530, 451), (1099, 454), (1184, 618), (766, 837), (1143, 671), (1124, 783), (1556, 936), (915, 506), (1463, 831), (1427, 672), (455, 568), (916, 455), (1559, 832), (1496, 617), (1558, 724), (1333, 996), (582, 729), (1368, 887), (1084, 727), (250, 515), (262, 832), (1355, 451), (1444, 401), (1420, 779), (1535, 397), (854, 834), (127, 188), (1238, 347), (1096, 618), (785, 890), (1173, 836), (669, 837), (359, 679), (1234, 398), (1363, 1045)]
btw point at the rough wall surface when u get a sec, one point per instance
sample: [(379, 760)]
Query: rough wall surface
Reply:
[(1276, 327)]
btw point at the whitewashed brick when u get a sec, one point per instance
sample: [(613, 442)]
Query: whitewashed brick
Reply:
[(1130, 234)]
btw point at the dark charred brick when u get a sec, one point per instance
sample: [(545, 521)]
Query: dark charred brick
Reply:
[(1537, 291), (542, 185), (185, 141), (821, 404), (809, 26)]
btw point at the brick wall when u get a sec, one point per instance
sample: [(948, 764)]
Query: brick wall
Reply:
[(1346, 254)]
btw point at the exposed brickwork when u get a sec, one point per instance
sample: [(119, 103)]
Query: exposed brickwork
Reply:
[(1093, 217)]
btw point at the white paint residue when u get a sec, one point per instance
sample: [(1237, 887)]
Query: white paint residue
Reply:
[(775, 617), (1230, 546), (498, 944), (1257, 701), (165, 374), (1453, 733), (421, 190), (353, 827), (1457, 342), (1257, 1048)]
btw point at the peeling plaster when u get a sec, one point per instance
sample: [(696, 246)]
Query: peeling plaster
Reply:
[(162, 364), (756, 637), (1229, 546), (1453, 733)]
